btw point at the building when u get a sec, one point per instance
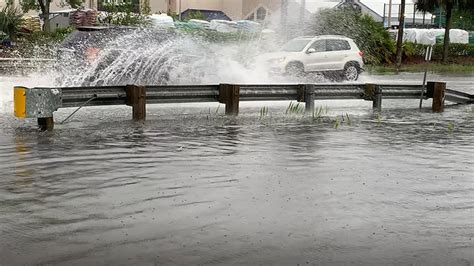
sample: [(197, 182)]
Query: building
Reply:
[(56, 5), (388, 14), (256, 10)]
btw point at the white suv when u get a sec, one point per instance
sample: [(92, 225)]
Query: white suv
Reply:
[(325, 53)]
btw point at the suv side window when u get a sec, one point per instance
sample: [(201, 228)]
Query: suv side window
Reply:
[(337, 45), (319, 46)]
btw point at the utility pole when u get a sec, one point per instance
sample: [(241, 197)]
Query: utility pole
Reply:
[(401, 25), (389, 14)]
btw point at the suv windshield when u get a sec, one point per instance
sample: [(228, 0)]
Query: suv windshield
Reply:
[(296, 45)]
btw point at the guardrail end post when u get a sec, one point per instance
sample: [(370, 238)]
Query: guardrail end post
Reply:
[(136, 97), (230, 96), (309, 98), (46, 123), (436, 90), (377, 99)]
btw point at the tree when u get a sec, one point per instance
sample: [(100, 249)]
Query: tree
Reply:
[(43, 7), (448, 5), (369, 35), (401, 25)]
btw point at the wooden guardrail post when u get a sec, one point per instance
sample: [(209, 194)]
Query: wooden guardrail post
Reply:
[(309, 98), (136, 97), (230, 96), (46, 123), (377, 101), (436, 90), (306, 95), (374, 93)]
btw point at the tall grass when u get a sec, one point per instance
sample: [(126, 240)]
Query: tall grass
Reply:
[(294, 108), (10, 20)]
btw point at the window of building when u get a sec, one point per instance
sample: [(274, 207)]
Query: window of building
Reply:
[(260, 14)]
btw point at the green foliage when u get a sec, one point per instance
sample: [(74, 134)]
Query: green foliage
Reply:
[(27, 5), (55, 37), (124, 14), (10, 20), (431, 5), (463, 19), (369, 35), (450, 127), (125, 7), (195, 15), (455, 50), (125, 19), (39, 44)]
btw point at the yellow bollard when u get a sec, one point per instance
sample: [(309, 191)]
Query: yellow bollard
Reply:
[(19, 102)]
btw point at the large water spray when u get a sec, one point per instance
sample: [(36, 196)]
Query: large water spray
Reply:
[(157, 57)]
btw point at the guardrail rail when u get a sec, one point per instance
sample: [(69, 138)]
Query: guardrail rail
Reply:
[(41, 103)]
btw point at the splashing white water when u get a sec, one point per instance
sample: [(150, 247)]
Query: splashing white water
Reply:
[(149, 57), (7, 83)]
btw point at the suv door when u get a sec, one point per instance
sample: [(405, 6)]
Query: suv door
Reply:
[(337, 52), (317, 60)]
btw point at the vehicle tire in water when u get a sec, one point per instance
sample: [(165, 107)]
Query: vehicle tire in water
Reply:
[(351, 72), (295, 69)]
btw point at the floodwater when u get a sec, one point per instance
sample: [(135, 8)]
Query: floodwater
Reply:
[(191, 186)]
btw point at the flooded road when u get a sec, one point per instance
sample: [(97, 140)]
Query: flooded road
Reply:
[(191, 186)]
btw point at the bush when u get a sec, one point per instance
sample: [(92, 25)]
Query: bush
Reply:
[(125, 19), (412, 50), (369, 35), (10, 21), (39, 44)]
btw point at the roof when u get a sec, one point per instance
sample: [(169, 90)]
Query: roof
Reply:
[(377, 6), (314, 6), (207, 14)]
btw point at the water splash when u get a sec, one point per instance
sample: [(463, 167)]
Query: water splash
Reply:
[(157, 57)]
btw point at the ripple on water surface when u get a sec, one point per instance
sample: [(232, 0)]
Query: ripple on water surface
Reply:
[(189, 186)]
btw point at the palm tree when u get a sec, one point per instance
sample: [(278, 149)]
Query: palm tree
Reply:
[(401, 25), (448, 5)]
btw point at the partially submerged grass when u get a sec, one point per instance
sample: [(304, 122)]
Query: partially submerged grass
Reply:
[(294, 108), (450, 127), (263, 112), (378, 119)]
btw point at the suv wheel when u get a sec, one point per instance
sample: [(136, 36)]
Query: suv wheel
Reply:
[(295, 69), (351, 72)]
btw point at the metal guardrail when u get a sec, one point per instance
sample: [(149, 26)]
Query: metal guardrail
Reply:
[(42, 102)]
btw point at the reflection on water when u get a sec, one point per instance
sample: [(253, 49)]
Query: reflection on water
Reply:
[(190, 186)]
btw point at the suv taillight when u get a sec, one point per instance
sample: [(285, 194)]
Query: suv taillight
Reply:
[(361, 54)]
